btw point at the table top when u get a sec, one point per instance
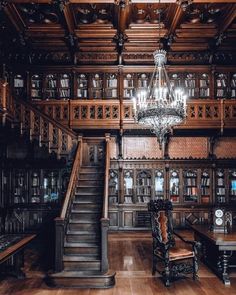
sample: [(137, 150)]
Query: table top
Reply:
[(13, 243), (216, 238)]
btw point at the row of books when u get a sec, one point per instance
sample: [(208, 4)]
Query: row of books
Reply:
[(18, 83), (191, 191), (205, 191), (112, 83), (144, 191), (128, 92), (111, 93), (64, 92), (204, 92), (52, 84), (220, 191), (204, 83), (144, 181), (142, 199), (36, 84), (205, 181), (128, 83), (221, 83), (191, 181), (65, 83), (82, 93), (190, 83)]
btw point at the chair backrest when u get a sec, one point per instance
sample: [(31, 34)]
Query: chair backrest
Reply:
[(161, 221)]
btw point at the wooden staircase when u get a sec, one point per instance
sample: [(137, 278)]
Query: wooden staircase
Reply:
[(82, 258)]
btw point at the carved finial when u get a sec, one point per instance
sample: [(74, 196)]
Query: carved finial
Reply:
[(122, 3), (72, 39), (60, 3), (220, 38), (184, 3), (120, 38), (3, 3)]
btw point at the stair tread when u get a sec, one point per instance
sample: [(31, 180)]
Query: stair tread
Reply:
[(91, 211), (82, 221), (79, 258), (82, 232), (78, 274), (83, 244), (88, 194)]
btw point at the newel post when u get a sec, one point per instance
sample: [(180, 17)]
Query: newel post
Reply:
[(59, 243), (104, 244)]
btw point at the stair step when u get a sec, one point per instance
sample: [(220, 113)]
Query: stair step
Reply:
[(91, 169), (82, 265), (85, 216), (89, 189), (77, 226), (78, 206), (81, 248), (72, 237), (81, 258), (92, 198), (82, 279)]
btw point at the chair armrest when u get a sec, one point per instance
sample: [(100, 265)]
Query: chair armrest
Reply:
[(195, 244)]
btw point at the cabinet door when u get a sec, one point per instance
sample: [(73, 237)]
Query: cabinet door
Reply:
[(113, 187), (128, 186), (36, 86), (190, 186), (205, 187), (35, 191), (50, 187), (220, 189), (19, 177), (174, 186), (82, 86), (159, 184), (144, 186)]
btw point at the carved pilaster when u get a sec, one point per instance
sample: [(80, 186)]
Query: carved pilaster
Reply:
[(122, 3), (184, 4)]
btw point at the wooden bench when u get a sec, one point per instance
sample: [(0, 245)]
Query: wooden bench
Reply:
[(12, 253)]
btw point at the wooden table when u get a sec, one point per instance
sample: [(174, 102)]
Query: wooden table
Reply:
[(217, 250), (12, 247)]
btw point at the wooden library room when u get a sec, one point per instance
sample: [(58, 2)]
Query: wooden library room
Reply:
[(117, 147)]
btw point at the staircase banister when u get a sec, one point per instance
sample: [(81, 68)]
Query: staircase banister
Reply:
[(60, 126), (107, 167), (73, 178)]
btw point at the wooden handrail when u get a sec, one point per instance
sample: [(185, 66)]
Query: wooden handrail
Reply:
[(107, 167), (73, 180), (60, 126)]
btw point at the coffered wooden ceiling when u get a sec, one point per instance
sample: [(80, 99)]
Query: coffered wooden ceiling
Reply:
[(109, 32)]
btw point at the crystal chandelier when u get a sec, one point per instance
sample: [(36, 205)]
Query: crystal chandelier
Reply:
[(161, 106)]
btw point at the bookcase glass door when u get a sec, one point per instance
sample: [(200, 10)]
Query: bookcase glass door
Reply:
[(128, 186), (205, 187), (144, 186), (19, 186), (113, 187), (220, 186), (221, 85), (111, 86), (143, 80), (51, 86), (204, 86), (36, 86), (97, 86), (233, 86), (82, 86), (174, 186), (35, 196), (50, 186), (64, 86), (232, 185), (128, 86), (175, 80), (190, 186), (159, 184), (190, 85), (19, 85)]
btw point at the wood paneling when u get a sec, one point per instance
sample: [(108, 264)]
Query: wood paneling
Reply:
[(141, 147), (186, 147), (225, 148)]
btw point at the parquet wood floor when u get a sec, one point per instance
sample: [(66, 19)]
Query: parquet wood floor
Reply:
[(130, 257)]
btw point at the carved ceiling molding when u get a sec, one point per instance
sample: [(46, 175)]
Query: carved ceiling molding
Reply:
[(60, 3), (98, 58), (3, 4)]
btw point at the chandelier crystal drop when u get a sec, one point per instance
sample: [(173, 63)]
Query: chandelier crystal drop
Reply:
[(161, 106)]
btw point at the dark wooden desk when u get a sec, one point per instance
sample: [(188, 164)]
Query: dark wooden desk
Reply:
[(12, 247), (217, 249)]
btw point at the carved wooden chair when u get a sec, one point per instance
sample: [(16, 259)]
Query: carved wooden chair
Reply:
[(174, 260)]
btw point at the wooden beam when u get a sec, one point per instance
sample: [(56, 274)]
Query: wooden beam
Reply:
[(174, 17), (229, 17)]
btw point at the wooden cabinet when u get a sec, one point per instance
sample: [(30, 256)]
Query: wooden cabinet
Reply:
[(199, 82), (193, 186)]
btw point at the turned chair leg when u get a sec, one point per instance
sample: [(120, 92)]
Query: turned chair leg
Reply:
[(167, 274), (195, 268)]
